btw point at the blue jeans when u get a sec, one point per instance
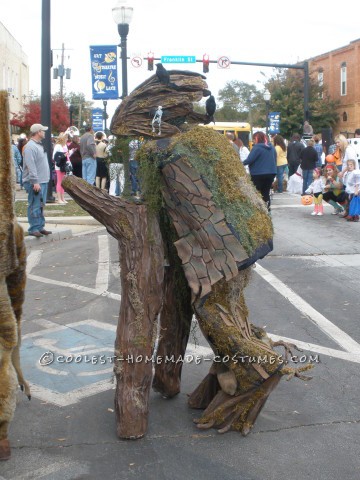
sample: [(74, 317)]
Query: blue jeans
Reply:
[(280, 177), (36, 205), (89, 170), (307, 179)]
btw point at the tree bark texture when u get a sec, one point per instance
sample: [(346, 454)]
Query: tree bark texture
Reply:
[(175, 319), (141, 257)]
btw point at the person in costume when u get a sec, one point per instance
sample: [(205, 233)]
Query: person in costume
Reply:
[(215, 226)]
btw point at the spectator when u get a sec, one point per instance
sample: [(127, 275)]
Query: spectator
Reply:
[(17, 158), (88, 155), (344, 152), (308, 158), (36, 176), (334, 189), (307, 129), (262, 165), (319, 150), (102, 172), (281, 160), (294, 150), (231, 137), (75, 157), (61, 149), (243, 150)]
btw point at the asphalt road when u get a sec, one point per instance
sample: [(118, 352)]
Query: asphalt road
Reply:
[(307, 291)]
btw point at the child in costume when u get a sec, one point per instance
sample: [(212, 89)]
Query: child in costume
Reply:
[(295, 182), (316, 188), (351, 180)]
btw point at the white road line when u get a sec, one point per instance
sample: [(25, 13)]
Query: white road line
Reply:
[(74, 286), (331, 330), (102, 277), (311, 347), (33, 259)]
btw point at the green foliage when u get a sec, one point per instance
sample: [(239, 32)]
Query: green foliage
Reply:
[(244, 102), (287, 97)]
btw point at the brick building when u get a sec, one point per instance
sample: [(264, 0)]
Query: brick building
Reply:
[(339, 70)]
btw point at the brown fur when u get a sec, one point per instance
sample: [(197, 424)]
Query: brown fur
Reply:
[(12, 285)]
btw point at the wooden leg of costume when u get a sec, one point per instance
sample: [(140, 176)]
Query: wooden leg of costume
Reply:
[(141, 256), (175, 323), (245, 370)]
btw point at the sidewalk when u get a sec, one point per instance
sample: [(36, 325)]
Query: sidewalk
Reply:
[(61, 227)]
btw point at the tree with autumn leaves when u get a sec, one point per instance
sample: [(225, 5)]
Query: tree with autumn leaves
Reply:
[(60, 115)]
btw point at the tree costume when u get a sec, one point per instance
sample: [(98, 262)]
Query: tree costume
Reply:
[(211, 225), (12, 285)]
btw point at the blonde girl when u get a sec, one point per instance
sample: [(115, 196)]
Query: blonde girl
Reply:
[(60, 146)]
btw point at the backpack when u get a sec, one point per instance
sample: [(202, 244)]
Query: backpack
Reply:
[(60, 160)]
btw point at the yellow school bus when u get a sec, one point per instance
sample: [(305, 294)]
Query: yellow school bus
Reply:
[(241, 130)]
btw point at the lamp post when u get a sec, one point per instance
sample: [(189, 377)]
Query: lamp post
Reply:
[(122, 14), (71, 112), (267, 97), (46, 87), (105, 116)]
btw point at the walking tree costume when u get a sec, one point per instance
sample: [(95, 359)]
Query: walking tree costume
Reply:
[(201, 213), (12, 285)]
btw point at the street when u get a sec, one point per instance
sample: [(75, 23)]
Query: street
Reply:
[(306, 292)]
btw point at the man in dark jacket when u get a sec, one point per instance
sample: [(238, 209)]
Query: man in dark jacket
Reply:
[(293, 153), (308, 159)]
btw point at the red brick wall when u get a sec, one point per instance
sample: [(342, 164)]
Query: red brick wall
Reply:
[(331, 63)]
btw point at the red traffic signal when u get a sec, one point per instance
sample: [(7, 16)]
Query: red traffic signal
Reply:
[(150, 59), (206, 62)]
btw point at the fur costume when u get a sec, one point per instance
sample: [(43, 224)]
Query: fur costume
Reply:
[(12, 285)]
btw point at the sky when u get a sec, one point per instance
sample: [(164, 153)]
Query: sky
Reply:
[(280, 31)]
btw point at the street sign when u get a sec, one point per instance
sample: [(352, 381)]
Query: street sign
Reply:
[(136, 61), (178, 59), (223, 62)]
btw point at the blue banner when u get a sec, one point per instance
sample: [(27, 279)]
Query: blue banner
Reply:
[(97, 119), (104, 78), (274, 122)]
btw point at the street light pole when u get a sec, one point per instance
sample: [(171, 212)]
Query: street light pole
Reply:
[(267, 97), (46, 88), (105, 115), (122, 14)]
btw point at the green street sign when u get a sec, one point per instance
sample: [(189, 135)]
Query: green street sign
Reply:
[(178, 59)]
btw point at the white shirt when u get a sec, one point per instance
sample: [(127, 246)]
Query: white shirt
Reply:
[(350, 154)]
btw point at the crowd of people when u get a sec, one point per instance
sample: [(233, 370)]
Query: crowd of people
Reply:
[(88, 156), (297, 166), (301, 166)]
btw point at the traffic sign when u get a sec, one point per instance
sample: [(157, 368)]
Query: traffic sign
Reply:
[(224, 62), (178, 59), (136, 61)]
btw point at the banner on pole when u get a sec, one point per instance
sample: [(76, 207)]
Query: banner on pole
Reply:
[(104, 77), (274, 122), (97, 119)]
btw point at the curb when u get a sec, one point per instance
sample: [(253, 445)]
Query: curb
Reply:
[(53, 237)]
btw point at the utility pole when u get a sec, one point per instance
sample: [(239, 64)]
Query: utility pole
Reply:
[(61, 71)]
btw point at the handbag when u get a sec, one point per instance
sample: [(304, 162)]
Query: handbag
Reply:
[(60, 161), (354, 208)]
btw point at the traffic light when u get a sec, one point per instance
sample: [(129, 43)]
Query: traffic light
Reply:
[(150, 59), (206, 63)]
